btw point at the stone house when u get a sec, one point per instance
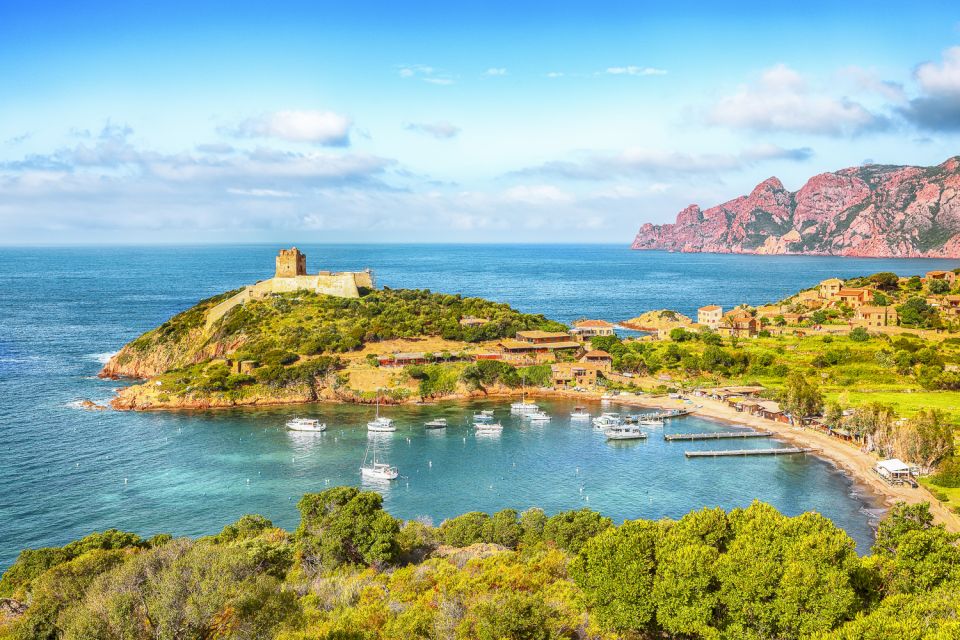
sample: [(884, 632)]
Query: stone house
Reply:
[(739, 325), (854, 298), (873, 316), (710, 316), (949, 276), (599, 358), (830, 288), (583, 330), (573, 374)]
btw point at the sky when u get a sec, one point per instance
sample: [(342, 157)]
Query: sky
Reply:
[(180, 122)]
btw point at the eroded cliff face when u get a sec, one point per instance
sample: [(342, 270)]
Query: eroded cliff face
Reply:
[(869, 211)]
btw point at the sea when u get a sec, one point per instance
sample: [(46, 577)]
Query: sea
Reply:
[(66, 471)]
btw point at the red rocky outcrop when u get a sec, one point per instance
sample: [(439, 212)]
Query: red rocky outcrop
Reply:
[(868, 211)]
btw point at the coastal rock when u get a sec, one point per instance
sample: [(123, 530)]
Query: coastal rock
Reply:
[(658, 319), (90, 405), (867, 211)]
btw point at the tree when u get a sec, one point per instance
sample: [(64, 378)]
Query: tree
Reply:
[(915, 312), (859, 334), (616, 571), (570, 530), (465, 529), (801, 398), (885, 280), (938, 287), (927, 438), (344, 525)]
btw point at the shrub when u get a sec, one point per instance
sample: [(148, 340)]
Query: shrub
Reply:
[(859, 334), (948, 473)]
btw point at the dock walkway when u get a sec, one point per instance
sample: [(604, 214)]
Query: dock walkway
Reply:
[(720, 435), (782, 451)]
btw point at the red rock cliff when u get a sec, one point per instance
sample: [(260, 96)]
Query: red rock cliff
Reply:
[(868, 211)]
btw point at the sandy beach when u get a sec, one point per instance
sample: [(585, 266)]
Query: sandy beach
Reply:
[(845, 455)]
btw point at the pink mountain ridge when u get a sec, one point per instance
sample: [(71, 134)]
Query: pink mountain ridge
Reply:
[(866, 211)]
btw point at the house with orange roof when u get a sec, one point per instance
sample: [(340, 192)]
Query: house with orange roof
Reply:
[(854, 298), (586, 329), (598, 358), (830, 288), (710, 316)]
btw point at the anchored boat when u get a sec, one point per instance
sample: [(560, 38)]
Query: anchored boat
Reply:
[(308, 425)]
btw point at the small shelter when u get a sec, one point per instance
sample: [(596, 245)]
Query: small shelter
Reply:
[(894, 470)]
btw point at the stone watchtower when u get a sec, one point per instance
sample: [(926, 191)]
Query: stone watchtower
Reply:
[(290, 263)]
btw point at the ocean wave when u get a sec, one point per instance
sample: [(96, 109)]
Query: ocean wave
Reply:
[(102, 358)]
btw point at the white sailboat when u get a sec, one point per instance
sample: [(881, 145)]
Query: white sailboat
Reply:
[(377, 470), (523, 406), (380, 423), (308, 425)]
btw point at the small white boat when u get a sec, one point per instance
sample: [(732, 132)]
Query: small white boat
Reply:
[(523, 406), (379, 423), (438, 423), (377, 470), (607, 419), (651, 422), (538, 416), (580, 413), (624, 432), (308, 425), (483, 416), (488, 427)]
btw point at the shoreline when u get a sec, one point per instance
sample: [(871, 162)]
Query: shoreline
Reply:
[(843, 455)]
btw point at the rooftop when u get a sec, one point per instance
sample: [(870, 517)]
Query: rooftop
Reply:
[(542, 334), (710, 307), (593, 323)]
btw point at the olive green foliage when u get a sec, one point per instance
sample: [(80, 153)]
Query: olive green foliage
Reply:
[(344, 525), (748, 574), (801, 397), (306, 323), (948, 473)]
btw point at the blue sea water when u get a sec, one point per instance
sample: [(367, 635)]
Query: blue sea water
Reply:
[(65, 472)]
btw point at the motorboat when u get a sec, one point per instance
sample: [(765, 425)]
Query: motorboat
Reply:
[(624, 432), (483, 416), (607, 419), (488, 427), (538, 416), (380, 423), (438, 423), (650, 422), (377, 470), (307, 425), (580, 413)]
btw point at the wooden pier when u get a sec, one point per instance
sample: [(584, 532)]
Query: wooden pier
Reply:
[(747, 452), (720, 435)]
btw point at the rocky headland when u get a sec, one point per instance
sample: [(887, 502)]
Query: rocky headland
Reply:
[(866, 211)]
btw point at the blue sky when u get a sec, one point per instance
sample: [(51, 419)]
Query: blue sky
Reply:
[(550, 122)]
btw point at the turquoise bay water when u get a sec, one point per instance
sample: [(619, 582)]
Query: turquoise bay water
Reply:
[(66, 472)]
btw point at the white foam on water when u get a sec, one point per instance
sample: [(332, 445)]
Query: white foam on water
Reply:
[(102, 358)]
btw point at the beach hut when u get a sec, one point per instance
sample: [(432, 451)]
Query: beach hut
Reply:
[(894, 470)]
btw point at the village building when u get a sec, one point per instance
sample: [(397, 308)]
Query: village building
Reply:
[(599, 358), (793, 319), (854, 298), (951, 305), (808, 296), (584, 330), (574, 374), (894, 471), (948, 276), (873, 316), (533, 347), (710, 316), (829, 289), (403, 359), (739, 326)]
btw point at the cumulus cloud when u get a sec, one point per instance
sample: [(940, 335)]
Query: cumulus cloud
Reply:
[(495, 71), (868, 80), (938, 105), (441, 130), (635, 71), (426, 73), (782, 100), (324, 128)]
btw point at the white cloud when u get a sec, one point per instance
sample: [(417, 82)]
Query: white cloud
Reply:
[(318, 127), (782, 100), (635, 71), (938, 105), (868, 80), (262, 193), (426, 73), (440, 130), (555, 74), (495, 71), (768, 151), (539, 194)]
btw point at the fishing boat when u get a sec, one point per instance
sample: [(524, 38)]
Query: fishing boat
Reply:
[(380, 423), (308, 425), (624, 432), (488, 427), (580, 413), (523, 406), (538, 416), (483, 416), (438, 423), (377, 470)]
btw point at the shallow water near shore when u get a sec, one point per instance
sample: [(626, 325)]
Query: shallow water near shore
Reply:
[(66, 472)]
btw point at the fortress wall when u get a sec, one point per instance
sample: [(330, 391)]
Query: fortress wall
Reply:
[(344, 285)]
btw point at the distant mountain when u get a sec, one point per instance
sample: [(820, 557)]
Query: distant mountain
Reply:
[(873, 210)]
